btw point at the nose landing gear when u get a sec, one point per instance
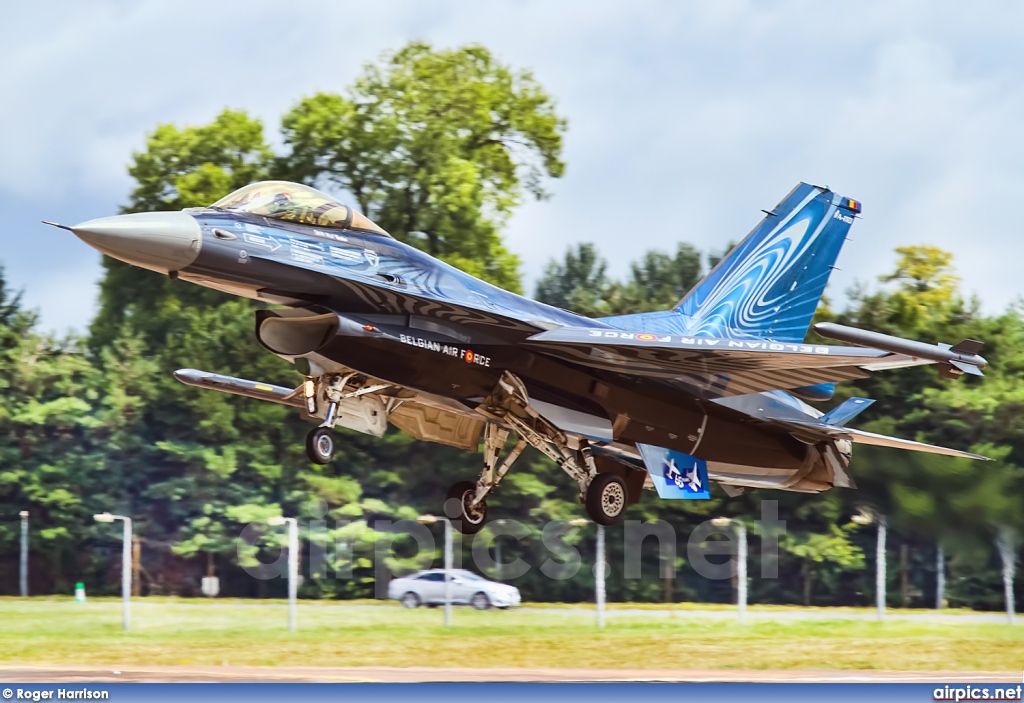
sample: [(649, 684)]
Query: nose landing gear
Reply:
[(353, 401)]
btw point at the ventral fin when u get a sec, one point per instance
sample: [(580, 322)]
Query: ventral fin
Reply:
[(676, 476)]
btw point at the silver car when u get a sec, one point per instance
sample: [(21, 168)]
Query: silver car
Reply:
[(427, 588)]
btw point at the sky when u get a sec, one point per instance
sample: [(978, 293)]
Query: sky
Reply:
[(685, 118)]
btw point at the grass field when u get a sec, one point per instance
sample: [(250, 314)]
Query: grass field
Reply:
[(167, 632)]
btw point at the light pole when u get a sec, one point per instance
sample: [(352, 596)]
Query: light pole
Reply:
[(430, 520), (23, 563), (1004, 542), (126, 565), (497, 553), (866, 518), (293, 563), (741, 563), (599, 569)]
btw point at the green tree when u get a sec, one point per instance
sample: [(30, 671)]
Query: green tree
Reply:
[(823, 555), (436, 146), (195, 463), (958, 502), (181, 167), (47, 462), (193, 166), (578, 283), (658, 281)]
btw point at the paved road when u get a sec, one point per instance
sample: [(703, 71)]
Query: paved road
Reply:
[(239, 674)]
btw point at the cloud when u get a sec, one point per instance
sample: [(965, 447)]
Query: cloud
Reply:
[(685, 118)]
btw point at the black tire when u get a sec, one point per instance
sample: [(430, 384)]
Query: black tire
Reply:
[(410, 600), (480, 601), (320, 445), (607, 498), (455, 509)]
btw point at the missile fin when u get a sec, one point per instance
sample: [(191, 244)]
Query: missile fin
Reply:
[(967, 368), (968, 347)]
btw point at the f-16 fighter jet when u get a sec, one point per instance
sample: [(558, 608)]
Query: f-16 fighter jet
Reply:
[(712, 390)]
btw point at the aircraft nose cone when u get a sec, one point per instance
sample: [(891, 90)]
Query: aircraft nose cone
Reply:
[(158, 241)]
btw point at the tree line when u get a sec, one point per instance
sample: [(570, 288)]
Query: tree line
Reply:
[(439, 147)]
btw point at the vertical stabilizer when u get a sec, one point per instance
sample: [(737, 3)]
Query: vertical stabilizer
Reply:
[(769, 285)]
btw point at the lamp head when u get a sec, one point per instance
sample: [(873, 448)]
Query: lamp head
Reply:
[(579, 522), (721, 521), (276, 520), (426, 519), (863, 518), (23, 514), (103, 517)]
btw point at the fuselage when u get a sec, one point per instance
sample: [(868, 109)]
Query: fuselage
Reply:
[(411, 320), (385, 333)]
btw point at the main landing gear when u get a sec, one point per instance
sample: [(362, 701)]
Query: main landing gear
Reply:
[(606, 499), (604, 494), (466, 505)]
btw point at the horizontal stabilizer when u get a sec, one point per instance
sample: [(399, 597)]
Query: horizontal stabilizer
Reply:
[(240, 386), (676, 476), (879, 440), (846, 411)]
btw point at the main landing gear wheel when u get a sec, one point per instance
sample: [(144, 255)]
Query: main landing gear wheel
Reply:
[(467, 520), (606, 499), (320, 445)]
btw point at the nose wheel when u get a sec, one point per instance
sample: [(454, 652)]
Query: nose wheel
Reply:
[(320, 445)]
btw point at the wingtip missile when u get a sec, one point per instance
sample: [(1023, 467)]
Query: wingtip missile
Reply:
[(954, 361), (238, 386)]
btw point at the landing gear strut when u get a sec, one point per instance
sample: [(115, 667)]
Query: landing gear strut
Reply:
[(467, 502), (604, 495)]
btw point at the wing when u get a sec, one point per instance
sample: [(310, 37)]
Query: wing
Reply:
[(722, 366), (425, 417)]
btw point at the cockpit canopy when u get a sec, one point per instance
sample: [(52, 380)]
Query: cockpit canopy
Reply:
[(294, 202)]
